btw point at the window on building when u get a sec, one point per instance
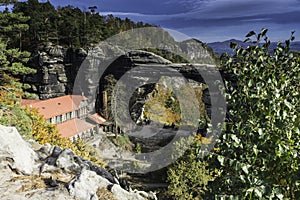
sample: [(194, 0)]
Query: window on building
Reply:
[(58, 119), (68, 115), (49, 120), (73, 114), (77, 113)]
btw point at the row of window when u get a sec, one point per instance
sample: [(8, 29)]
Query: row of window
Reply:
[(81, 113), (64, 117)]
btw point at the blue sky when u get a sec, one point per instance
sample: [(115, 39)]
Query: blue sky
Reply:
[(206, 20)]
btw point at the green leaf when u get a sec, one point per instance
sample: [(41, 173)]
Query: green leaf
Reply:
[(247, 40), (255, 150), (243, 178), (233, 45), (259, 36), (292, 32), (258, 193), (245, 169), (260, 131), (249, 191), (288, 104), (221, 159), (251, 33), (292, 38), (264, 32), (287, 42), (280, 196)]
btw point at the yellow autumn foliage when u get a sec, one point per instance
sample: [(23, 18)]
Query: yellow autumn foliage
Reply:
[(162, 105), (44, 132), (156, 109)]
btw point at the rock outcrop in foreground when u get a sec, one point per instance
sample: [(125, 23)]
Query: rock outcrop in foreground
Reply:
[(32, 171)]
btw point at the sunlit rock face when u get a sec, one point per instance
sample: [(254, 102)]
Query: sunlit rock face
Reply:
[(29, 170)]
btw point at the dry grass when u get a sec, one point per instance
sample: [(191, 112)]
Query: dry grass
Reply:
[(104, 194), (38, 182), (30, 183)]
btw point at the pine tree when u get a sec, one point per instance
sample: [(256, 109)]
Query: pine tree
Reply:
[(12, 59)]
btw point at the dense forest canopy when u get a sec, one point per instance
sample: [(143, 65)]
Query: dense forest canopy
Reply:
[(67, 26)]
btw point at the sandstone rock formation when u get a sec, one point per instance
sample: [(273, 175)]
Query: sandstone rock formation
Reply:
[(56, 70), (57, 66), (32, 171)]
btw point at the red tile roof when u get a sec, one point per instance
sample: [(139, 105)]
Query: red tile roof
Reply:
[(56, 106), (73, 127), (97, 118), (28, 101)]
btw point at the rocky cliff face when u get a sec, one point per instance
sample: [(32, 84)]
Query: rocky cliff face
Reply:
[(95, 72), (57, 67), (32, 171), (56, 70)]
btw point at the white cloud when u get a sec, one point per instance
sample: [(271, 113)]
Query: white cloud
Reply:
[(238, 8), (256, 20), (193, 4)]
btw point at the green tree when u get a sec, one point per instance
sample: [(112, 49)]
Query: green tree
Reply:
[(42, 23), (12, 59), (258, 155), (13, 25), (188, 176), (12, 65)]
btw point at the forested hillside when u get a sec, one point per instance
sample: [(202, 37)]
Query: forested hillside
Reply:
[(66, 26)]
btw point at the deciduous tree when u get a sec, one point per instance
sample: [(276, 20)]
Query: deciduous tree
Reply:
[(258, 155)]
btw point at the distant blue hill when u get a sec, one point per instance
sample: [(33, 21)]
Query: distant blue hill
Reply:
[(224, 47)]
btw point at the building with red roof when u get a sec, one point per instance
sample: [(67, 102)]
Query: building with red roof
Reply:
[(69, 113)]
